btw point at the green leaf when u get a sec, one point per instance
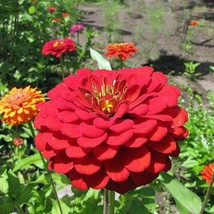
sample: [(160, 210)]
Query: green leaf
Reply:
[(24, 194), (26, 162), (187, 200), (102, 62), (14, 184), (7, 205), (31, 10)]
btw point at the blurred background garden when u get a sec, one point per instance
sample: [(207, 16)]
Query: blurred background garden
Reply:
[(175, 37)]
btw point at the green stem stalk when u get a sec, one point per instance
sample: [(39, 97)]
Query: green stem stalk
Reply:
[(207, 194), (111, 202), (109, 199), (47, 170), (19, 209), (62, 67)]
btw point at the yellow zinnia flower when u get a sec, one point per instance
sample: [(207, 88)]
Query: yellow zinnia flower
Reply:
[(19, 105)]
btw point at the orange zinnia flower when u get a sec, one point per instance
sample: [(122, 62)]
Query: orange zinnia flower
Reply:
[(194, 22), (65, 14), (207, 172), (122, 50), (19, 105)]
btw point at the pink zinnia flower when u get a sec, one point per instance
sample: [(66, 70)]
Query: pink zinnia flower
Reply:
[(51, 9), (58, 47), (75, 28), (111, 129)]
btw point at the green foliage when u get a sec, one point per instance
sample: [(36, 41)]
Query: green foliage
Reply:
[(190, 70), (180, 193)]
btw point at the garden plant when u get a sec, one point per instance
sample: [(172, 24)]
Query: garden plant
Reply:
[(87, 126)]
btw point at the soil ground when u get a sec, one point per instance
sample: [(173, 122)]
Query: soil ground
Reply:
[(158, 29)]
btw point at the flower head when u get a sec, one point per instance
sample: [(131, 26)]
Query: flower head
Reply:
[(122, 50), (111, 129), (18, 141), (58, 47), (51, 9), (65, 15), (56, 20), (207, 172), (194, 22), (19, 105), (76, 28)]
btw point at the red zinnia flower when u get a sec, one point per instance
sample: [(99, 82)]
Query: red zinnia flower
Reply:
[(111, 129), (18, 141), (51, 9), (58, 47), (122, 50), (207, 172)]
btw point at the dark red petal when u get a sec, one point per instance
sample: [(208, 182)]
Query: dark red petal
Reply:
[(87, 165), (120, 111), (160, 76), (72, 131), (101, 123), (98, 180), (145, 127), (178, 114), (62, 163), (42, 139), (120, 187), (120, 139), (91, 131), (57, 91), (153, 86), (142, 178), (156, 105), (91, 142), (59, 141), (77, 180), (122, 125), (75, 151), (115, 170), (141, 109), (180, 133), (53, 123), (105, 152), (136, 141), (49, 152), (146, 70), (135, 160), (170, 98), (64, 105), (159, 162), (165, 146), (84, 115), (83, 72), (132, 93), (161, 117), (67, 116), (158, 133)]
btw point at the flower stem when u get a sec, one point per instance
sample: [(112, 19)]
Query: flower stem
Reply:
[(106, 202), (109, 199), (207, 194), (47, 170), (128, 202), (62, 67), (111, 202), (19, 209)]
